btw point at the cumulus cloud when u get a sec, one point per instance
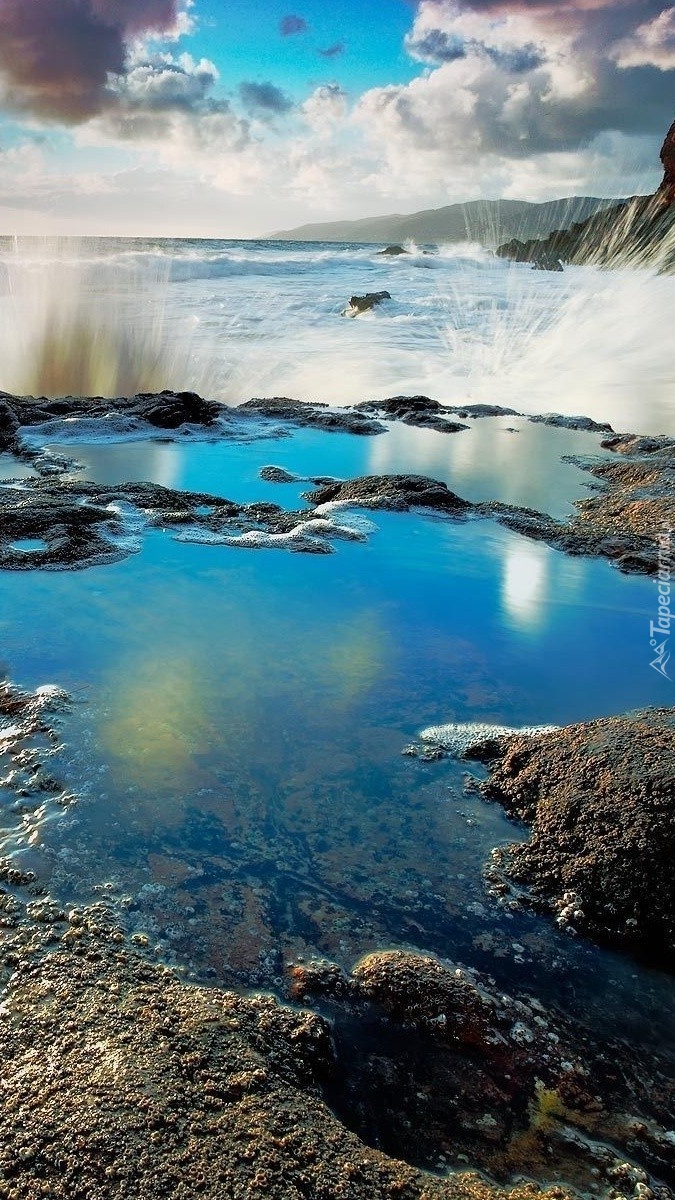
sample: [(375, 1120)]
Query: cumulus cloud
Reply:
[(325, 110), (161, 83), (56, 56), (264, 99), (513, 81), (651, 45), (292, 24)]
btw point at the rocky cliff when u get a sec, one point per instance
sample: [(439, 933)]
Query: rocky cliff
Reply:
[(635, 232)]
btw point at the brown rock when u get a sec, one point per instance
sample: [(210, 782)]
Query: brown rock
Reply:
[(666, 190)]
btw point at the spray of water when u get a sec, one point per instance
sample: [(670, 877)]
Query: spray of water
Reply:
[(232, 321), (78, 325)]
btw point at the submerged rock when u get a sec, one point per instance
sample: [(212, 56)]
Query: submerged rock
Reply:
[(598, 798), (361, 304), (392, 251)]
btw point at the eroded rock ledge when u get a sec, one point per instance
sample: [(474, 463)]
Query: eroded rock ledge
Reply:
[(75, 524), (120, 1079), (598, 799)]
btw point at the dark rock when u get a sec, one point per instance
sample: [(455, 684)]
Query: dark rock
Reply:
[(635, 444), (482, 410), (392, 251), (169, 410), (636, 232), (392, 491), (317, 416), (547, 262), (666, 190), (400, 406), (430, 1055), (82, 524), (361, 304), (9, 426), (277, 475), (164, 410), (598, 797), (562, 421), (413, 410)]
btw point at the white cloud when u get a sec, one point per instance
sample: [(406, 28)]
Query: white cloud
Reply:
[(651, 45)]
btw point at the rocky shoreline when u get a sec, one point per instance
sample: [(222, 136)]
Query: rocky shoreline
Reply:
[(75, 524), (597, 799), (407, 1075), (122, 1078)]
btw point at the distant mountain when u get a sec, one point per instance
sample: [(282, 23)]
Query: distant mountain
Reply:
[(489, 222)]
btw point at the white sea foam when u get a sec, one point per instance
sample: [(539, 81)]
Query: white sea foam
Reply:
[(310, 532), (459, 738), (232, 320)]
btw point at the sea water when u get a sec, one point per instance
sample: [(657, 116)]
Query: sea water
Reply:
[(238, 319), (240, 715)]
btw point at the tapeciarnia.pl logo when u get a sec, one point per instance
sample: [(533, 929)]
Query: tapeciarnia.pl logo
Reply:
[(659, 630)]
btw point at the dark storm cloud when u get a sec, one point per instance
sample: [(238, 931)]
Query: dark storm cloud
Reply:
[(437, 46), (56, 55), (292, 24), (333, 51), (265, 99), (618, 54)]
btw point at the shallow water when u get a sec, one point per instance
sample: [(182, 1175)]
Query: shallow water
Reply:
[(240, 718), (240, 715), (481, 462)]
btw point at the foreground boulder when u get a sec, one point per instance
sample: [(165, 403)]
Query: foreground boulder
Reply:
[(598, 799), (120, 1081), (432, 1055)]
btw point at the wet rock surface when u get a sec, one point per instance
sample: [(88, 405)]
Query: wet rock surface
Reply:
[(623, 518), (76, 525), (449, 1067), (598, 800), (392, 251), (317, 416), (365, 303), (391, 492), (122, 1079), (162, 410), (413, 410)]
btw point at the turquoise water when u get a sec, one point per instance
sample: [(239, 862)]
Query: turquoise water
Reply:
[(483, 462), (240, 717)]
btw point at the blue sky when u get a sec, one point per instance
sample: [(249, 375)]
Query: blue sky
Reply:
[(196, 117), (247, 41)]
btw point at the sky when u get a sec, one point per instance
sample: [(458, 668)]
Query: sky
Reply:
[(210, 118)]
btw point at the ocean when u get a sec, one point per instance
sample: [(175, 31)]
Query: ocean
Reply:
[(236, 319), (235, 743)]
